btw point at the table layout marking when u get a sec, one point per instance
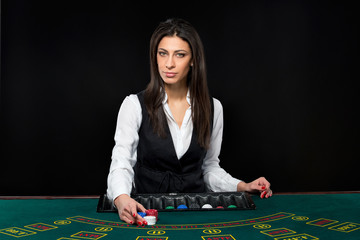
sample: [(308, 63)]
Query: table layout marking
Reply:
[(40, 227), (17, 232), (218, 237), (278, 232), (301, 236), (322, 222), (346, 227), (269, 218)]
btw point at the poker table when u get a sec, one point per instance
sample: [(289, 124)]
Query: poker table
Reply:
[(282, 217)]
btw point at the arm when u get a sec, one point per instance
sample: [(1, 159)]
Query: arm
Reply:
[(123, 157), (121, 174), (216, 178)]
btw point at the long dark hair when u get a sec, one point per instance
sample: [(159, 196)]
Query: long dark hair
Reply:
[(197, 81)]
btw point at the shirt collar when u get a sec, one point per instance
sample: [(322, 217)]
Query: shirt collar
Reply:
[(187, 98)]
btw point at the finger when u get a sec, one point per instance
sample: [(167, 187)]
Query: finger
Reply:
[(141, 207), (127, 220), (137, 218), (127, 215), (260, 188), (133, 211), (141, 221), (262, 194), (268, 193), (263, 181)]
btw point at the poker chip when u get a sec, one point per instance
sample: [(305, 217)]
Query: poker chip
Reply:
[(152, 212), (182, 206), (206, 206), (151, 220), (231, 206), (142, 214)]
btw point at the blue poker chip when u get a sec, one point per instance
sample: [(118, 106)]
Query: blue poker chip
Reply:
[(142, 214), (182, 207)]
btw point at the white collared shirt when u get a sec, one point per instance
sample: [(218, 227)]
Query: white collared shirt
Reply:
[(124, 155)]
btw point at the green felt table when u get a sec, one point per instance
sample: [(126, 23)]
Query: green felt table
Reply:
[(282, 217)]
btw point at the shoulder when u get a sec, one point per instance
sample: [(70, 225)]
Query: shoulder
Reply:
[(130, 104), (132, 99), (130, 113)]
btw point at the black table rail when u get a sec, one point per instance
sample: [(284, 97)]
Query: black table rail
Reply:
[(167, 202)]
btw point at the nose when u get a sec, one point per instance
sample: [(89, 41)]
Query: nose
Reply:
[(170, 63)]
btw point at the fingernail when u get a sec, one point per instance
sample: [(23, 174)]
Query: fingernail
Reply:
[(262, 194), (263, 187), (140, 223), (131, 222), (134, 215), (145, 222)]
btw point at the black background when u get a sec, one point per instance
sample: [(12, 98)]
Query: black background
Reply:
[(286, 73)]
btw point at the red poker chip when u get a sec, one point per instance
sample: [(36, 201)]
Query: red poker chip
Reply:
[(152, 212)]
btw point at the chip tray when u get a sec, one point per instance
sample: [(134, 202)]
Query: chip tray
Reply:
[(194, 201)]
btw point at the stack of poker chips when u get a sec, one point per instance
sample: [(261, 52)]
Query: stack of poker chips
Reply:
[(150, 216)]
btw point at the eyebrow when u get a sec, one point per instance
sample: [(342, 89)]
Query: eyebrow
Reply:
[(176, 51)]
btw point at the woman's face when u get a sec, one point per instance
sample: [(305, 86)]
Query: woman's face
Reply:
[(174, 60)]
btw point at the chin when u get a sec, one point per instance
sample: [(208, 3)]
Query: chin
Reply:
[(170, 80)]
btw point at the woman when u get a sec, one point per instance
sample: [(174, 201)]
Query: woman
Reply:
[(168, 137)]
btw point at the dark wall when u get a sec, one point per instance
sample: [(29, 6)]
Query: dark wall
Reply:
[(285, 72)]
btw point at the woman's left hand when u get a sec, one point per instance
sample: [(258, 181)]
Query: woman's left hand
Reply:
[(259, 185)]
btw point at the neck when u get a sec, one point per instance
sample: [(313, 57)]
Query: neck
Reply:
[(176, 92)]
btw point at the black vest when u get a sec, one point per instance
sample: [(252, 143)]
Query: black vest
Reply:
[(158, 170)]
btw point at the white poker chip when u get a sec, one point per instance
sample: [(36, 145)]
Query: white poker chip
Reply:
[(206, 206), (151, 220)]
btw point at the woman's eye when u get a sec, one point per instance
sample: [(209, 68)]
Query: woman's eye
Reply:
[(162, 53), (180, 55)]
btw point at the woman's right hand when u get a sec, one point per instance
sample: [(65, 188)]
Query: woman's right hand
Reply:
[(128, 210)]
